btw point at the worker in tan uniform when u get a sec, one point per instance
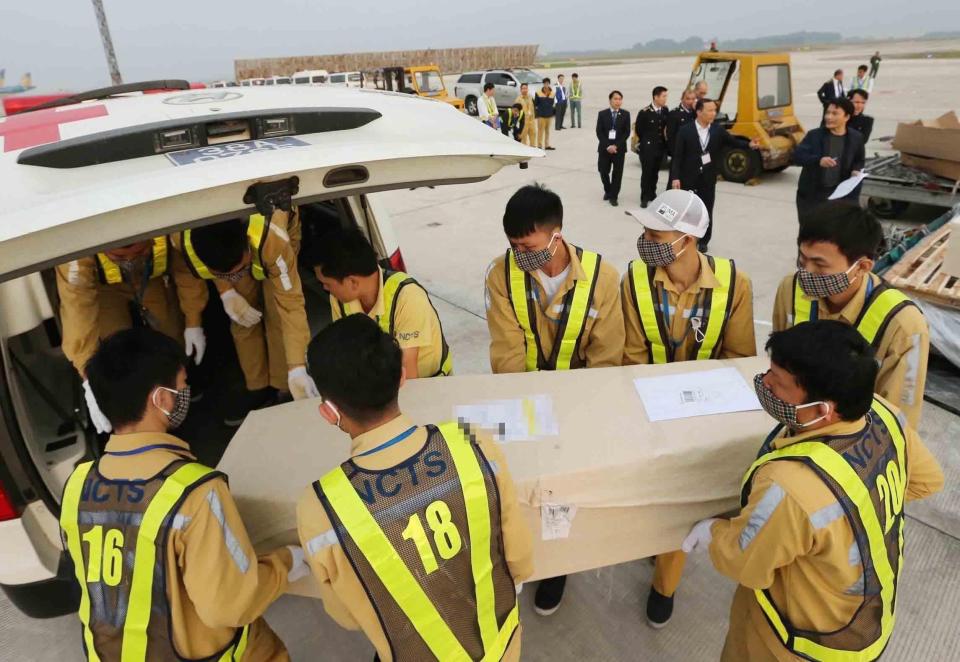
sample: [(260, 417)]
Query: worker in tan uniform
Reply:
[(550, 306), (818, 545), (681, 305), (529, 134), (165, 568), (101, 294), (837, 249), (417, 539), (346, 265), (253, 264)]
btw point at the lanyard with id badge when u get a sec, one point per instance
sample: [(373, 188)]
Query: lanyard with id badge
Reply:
[(704, 153), (613, 132)]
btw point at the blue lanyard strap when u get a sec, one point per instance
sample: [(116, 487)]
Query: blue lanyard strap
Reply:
[(151, 447), (387, 444), (666, 318)]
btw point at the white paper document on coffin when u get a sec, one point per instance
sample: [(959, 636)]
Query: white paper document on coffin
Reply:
[(702, 393), (520, 419)]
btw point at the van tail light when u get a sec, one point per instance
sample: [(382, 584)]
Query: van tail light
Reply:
[(396, 261), (7, 510)]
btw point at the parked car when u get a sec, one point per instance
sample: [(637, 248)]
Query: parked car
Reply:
[(507, 82), (346, 79), (140, 165), (311, 77)]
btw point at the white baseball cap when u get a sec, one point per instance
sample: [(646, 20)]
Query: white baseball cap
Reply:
[(675, 210)]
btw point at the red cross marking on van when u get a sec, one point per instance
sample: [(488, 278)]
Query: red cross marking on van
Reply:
[(43, 126)]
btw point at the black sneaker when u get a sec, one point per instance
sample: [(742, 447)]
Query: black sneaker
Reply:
[(550, 148), (614, 202), (606, 196), (659, 609), (549, 595), (644, 203), (243, 402)]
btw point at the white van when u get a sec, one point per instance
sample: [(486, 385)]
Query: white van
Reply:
[(277, 80), (251, 82), (311, 77), (110, 171), (346, 79)]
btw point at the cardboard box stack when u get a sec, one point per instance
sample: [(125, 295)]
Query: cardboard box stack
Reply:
[(931, 145)]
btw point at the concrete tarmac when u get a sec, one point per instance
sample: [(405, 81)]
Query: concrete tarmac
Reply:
[(448, 237)]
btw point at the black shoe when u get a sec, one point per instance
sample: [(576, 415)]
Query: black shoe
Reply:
[(659, 609), (243, 402), (644, 203), (550, 148), (549, 595), (614, 203), (606, 196)]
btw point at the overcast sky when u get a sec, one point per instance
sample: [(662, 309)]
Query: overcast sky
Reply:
[(57, 40)]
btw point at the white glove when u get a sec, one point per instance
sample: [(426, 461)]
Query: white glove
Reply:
[(99, 421), (301, 384), (239, 310), (699, 537), (299, 569), (196, 342)]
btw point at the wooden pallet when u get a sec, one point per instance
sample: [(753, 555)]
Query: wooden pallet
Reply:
[(919, 273)]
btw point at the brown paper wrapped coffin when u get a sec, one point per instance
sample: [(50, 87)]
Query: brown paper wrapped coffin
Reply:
[(638, 486), (931, 145)]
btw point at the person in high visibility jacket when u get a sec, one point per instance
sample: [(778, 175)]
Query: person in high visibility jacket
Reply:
[(529, 134), (550, 306), (818, 544), (104, 293), (514, 122), (838, 245), (681, 305), (164, 565), (426, 560), (346, 265), (253, 264)]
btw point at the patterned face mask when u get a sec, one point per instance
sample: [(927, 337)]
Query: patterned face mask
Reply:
[(657, 254), (784, 412), (181, 405), (233, 276), (823, 285), (532, 260)]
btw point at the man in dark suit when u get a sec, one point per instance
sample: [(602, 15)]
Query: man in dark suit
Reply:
[(832, 89), (828, 156), (652, 142), (682, 114), (613, 129), (697, 154), (860, 121)]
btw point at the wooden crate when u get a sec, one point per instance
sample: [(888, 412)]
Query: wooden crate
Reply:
[(919, 274)]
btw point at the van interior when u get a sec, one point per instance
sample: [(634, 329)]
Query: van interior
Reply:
[(41, 391)]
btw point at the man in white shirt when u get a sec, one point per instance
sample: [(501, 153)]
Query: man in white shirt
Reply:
[(832, 89), (487, 107), (563, 95)]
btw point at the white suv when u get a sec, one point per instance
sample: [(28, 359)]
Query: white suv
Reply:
[(102, 172), (507, 82)]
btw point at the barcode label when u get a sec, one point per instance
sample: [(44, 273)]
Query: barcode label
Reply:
[(688, 396)]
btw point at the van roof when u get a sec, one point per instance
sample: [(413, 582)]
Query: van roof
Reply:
[(84, 177)]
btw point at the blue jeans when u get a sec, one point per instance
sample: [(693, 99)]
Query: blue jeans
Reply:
[(576, 116)]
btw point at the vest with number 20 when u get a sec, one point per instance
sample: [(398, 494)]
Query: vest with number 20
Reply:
[(717, 305), (573, 320), (425, 541), (116, 534), (867, 472), (393, 283), (257, 231), (111, 274), (881, 306)]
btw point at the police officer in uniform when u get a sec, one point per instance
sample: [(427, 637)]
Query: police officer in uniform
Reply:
[(164, 565), (681, 305), (417, 539), (651, 128), (253, 264), (104, 293), (834, 280), (550, 306), (818, 545), (346, 266)]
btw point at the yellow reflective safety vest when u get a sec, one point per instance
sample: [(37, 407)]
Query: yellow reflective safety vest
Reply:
[(881, 305), (576, 91), (116, 534), (868, 474), (514, 118), (716, 306), (426, 543), (393, 282), (258, 228), (573, 321), (111, 274)]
